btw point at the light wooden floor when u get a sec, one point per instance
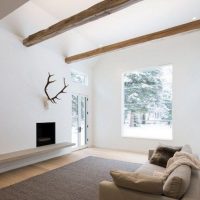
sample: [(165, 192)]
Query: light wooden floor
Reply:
[(24, 173)]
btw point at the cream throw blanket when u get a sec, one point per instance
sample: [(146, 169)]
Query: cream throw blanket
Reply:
[(181, 158)]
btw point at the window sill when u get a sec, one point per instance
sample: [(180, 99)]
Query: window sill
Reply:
[(147, 138), (149, 133)]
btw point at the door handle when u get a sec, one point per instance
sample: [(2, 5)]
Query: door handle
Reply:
[(79, 129)]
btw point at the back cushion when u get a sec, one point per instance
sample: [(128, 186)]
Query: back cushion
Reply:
[(187, 148), (177, 182)]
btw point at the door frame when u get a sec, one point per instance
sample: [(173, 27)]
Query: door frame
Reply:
[(79, 146)]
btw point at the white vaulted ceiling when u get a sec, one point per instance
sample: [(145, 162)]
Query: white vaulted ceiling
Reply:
[(139, 19), (142, 18), (7, 6)]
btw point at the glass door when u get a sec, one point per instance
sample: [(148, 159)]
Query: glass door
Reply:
[(79, 121)]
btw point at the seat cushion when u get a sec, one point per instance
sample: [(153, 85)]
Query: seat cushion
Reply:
[(110, 191), (137, 181), (150, 169), (177, 182)]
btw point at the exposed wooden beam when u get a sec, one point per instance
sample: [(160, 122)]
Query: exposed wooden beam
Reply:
[(95, 12), (145, 38)]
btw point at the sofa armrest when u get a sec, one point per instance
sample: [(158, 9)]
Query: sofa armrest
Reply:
[(151, 151), (193, 192), (109, 191)]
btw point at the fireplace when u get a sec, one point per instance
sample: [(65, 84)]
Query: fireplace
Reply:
[(45, 133)]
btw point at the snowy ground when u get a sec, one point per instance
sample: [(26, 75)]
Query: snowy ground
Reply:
[(75, 136), (155, 131)]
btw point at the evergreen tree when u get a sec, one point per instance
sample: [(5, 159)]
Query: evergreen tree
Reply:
[(144, 93)]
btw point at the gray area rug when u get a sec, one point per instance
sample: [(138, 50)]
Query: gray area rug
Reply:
[(76, 181)]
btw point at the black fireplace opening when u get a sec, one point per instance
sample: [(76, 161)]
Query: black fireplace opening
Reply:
[(45, 133)]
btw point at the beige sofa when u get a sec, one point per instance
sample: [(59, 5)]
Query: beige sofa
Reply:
[(190, 186)]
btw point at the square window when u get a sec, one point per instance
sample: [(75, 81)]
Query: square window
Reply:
[(147, 103)]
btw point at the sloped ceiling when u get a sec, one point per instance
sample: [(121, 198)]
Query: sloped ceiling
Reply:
[(139, 19), (142, 18), (8, 6), (31, 18)]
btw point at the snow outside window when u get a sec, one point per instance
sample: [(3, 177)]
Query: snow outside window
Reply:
[(79, 78), (147, 103)]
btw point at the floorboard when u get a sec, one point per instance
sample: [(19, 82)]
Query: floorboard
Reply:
[(17, 175)]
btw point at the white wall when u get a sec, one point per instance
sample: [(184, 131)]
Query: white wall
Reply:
[(23, 75), (183, 52)]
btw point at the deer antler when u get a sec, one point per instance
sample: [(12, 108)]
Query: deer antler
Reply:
[(53, 100), (61, 91), (46, 86)]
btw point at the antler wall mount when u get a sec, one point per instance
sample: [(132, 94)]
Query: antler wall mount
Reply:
[(54, 98)]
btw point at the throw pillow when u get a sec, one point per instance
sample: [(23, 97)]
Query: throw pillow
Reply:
[(137, 181), (162, 154)]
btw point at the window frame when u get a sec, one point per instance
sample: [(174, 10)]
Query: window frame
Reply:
[(86, 82), (123, 135)]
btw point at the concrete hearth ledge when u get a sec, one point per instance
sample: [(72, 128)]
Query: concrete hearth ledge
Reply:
[(13, 156)]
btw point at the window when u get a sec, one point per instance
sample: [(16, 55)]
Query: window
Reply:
[(78, 77), (147, 103)]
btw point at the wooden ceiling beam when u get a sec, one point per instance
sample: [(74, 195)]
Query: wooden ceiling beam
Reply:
[(145, 38), (95, 12)]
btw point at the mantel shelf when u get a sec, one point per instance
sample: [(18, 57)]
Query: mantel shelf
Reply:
[(13, 156)]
